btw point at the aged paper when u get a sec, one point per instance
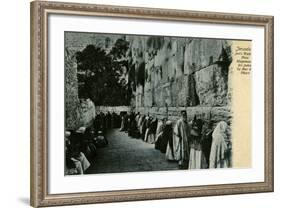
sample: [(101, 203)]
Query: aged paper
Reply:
[(240, 83)]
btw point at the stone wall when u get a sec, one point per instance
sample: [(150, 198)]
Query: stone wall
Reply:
[(212, 86), (182, 74), (170, 74), (72, 112), (77, 112), (78, 41), (116, 109), (214, 114), (179, 69)]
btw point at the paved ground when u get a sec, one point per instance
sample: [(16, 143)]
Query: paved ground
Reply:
[(126, 154)]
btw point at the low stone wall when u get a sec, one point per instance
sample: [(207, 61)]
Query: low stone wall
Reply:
[(214, 114), (116, 109)]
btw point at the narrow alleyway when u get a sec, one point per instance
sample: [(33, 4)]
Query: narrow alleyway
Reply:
[(126, 154)]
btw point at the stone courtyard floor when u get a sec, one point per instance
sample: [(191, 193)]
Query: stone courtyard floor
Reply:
[(126, 154)]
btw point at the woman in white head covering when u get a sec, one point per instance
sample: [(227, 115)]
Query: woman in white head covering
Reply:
[(221, 147)]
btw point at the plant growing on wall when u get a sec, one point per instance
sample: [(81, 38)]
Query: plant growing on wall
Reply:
[(101, 75)]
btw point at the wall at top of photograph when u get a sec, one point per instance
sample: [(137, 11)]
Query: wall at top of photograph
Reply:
[(156, 74), (179, 73), (77, 41)]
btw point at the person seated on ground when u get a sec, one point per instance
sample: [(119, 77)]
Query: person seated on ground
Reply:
[(72, 167), (75, 160), (100, 140), (89, 145), (84, 143), (66, 138)]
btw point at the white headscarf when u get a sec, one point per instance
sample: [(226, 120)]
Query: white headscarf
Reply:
[(219, 146), (220, 132)]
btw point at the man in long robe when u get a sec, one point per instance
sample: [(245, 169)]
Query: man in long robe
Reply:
[(197, 159), (181, 141)]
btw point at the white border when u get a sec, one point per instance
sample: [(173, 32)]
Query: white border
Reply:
[(104, 182)]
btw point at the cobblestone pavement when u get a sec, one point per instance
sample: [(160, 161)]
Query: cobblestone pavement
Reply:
[(126, 154)]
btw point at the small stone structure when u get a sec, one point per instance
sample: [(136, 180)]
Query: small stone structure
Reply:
[(116, 109)]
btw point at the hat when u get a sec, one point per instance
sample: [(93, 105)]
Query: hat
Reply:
[(81, 130), (168, 122), (67, 133)]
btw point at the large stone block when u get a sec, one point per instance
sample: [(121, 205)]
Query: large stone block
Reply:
[(212, 85), (221, 114), (200, 53)]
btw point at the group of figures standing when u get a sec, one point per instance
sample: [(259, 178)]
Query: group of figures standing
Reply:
[(195, 144)]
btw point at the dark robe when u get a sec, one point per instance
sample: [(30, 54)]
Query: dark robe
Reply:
[(207, 144), (108, 121), (164, 138), (97, 123)]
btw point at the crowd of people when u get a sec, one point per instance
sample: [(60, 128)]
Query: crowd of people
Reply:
[(81, 145), (195, 144)]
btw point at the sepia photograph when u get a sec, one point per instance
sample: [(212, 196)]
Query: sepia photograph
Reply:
[(135, 103), (148, 103)]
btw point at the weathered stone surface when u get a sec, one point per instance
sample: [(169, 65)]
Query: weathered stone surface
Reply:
[(164, 68), (78, 41), (71, 91), (87, 112), (212, 86), (221, 114), (116, 109), (168, 63), (200, 53), (214, 114), (77, 112)]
